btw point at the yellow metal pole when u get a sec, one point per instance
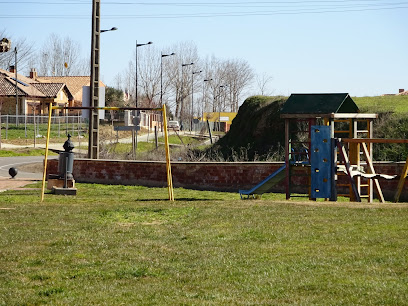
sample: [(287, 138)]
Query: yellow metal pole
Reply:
[(46, 151), (401, 182), (168, 165)]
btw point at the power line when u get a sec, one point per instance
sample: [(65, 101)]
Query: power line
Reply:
[(345, 7), (202, 15), (207, 4)]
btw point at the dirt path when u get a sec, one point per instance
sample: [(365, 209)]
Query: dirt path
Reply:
[(10, 184)]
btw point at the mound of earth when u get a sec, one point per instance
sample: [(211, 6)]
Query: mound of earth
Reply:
[(256, 133)]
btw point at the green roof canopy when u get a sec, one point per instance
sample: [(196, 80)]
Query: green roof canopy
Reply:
[(319, 104)]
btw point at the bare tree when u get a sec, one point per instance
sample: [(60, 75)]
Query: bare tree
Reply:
[(239, 75), (118, 81), (25, 52), (179, 77), (262, 82), (61, 57), (148, 77), (216, 74), (226, 80), (148, 67)]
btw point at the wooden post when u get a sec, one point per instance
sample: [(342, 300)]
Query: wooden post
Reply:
[(156, 140), (347, 165), (209, 131), (354, 159), (401, 182), (133, 145), (287, 153), (371, 170)]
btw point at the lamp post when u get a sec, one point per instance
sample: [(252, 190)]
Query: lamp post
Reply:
[(219, 108), (161, 76), (182, 83), (204, 100), (111, 29), (93, 143), (192, 96), (137, 46)]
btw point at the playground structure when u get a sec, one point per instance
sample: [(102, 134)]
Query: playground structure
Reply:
[(166, 140), (328, 141)]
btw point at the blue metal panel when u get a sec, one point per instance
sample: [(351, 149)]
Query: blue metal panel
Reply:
[(321, 162)]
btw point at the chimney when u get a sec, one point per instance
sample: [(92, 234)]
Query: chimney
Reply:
[(33, 73), (12, 69)]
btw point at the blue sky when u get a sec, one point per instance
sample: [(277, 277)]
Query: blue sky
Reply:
[(359, 47)]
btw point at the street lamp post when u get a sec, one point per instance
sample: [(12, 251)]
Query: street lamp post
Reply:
[(111, 29), (93, 143), (219, 108), (182, 83), (192, 96), (137, 46), (136, 113), (204, 99), (161, 76)]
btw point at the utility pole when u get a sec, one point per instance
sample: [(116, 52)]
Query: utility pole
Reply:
[(15, 67), (5, 45), (93, 145)]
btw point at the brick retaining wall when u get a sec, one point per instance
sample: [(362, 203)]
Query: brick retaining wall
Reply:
[(203, 176)]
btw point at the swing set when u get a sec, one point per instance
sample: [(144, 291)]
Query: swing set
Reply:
[(333, 136), (166, 139)]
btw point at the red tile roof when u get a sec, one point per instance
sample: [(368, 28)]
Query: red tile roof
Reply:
[(74, 83), (49, 89), (29, 87)]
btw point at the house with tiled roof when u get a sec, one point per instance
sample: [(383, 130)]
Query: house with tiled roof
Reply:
[(75, 84), (32, 95)]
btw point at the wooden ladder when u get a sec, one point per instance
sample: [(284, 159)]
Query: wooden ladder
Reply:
[(353, 130)]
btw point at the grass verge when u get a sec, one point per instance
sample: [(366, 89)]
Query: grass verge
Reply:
[(128, 245), (24, 152)]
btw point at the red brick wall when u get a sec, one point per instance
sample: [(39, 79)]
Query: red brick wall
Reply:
[(204, 176)]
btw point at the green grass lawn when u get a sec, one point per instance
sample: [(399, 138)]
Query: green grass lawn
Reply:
[(127, 147), (149, 146), (24, 152), (185, 139), (396, 104), (19, 134), (115, 245)]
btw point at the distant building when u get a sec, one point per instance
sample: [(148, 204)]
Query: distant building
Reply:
[(74, 84), (401, 92), (223, 118), (32, 96)]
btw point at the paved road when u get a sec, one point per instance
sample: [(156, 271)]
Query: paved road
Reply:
[(7, 162)]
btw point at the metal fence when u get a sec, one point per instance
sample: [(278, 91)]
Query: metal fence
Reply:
[(36, 126), (27, 119)]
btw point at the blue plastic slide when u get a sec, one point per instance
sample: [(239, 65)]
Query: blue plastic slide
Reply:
[(267, 184)]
